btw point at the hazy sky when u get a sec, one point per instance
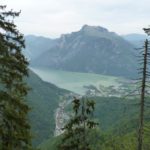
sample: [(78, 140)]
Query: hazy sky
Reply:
[(53, 17)]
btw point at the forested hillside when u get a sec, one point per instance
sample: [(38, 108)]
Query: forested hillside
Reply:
[(87, 89), (44, 99), (118, 123)]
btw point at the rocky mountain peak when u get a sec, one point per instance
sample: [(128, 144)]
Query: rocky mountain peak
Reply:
[(87, 28), (91, 49)]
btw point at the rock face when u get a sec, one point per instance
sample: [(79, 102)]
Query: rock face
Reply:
[(91, 49), (61, 116)]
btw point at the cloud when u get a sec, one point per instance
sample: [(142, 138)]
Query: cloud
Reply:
[(54, 17)]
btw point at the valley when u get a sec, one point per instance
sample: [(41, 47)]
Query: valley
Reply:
[(77, 76), (93, 63), (89, 84)]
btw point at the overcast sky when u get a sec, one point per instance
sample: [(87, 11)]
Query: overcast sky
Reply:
[(54, 17)]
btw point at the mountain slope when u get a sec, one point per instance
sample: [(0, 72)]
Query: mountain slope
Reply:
[(136, 39), (36, 45), (92, 49), (118, 122), (43, 99)]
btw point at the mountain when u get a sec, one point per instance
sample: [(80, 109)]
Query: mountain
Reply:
[(135, 39), (43, 98), (36, 45), (91, 49)]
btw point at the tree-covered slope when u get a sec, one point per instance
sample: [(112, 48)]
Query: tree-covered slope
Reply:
[(43, 100), (118, 124)]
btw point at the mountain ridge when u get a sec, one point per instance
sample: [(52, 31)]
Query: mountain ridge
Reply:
[(91, 49)]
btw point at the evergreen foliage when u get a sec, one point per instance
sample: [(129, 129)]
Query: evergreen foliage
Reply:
[(144, 72), (44, 99), (14, 125), (118, 120), (78, 127)]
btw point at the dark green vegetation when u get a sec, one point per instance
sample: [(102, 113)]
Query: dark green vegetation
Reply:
[(82, 51), (14, 125), (118, 124), (43, 99), (86, 51), (98, 141), (76, 130), (144, 74), (119, 118)]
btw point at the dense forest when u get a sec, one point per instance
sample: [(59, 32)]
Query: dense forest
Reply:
[(109, 109)]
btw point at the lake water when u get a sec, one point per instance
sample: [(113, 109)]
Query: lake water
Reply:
[(75, 81)]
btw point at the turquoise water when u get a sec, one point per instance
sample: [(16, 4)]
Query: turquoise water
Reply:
[(75, 81)]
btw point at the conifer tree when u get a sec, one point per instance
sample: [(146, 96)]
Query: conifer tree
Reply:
[(76, 130), (144, 71), (14, 125)]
